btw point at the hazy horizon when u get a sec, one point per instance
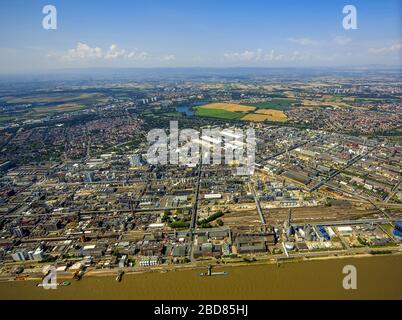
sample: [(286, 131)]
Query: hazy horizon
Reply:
[(189, 34)]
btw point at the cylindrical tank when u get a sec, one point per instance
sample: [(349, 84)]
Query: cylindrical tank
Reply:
[(289, 246)]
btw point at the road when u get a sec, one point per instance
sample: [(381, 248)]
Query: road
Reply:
[(393, 191), (350, 251), (350, 222), (257, 203), (194, 210), (337, 172)]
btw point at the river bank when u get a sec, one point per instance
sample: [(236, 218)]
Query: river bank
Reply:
[(379, 277)]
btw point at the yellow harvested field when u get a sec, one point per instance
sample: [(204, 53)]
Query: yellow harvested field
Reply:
[(255, 117), (289, 94), (277, 115), (310, 103), (261, 117), (266, 114), (232, 107)]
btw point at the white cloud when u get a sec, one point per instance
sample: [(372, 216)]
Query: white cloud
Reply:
[(244, 56), (272, 56), (304, 41), (297, 56), (137, 55), (169, 57), (341, 40), (114, 52), (391, 48), (257, 55), (83, 51)]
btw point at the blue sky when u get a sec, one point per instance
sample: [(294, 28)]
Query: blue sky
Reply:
[(210, 33)]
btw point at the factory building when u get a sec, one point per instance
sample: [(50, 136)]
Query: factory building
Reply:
[(347, 230), (123, 261), (19, 256), (250, 244), (213, 196), (298, 177), (149, 261), (18, 232), (89, 177), (136, 160), (38, 254)]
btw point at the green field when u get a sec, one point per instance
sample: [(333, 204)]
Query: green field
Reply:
[(276, 104), (218, 113), (58, 109), (6, 119), (83, 98)]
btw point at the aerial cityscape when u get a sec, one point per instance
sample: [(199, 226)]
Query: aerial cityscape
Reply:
[(87, 194)]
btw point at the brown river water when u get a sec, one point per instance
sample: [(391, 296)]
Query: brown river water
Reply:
[(378, 277)]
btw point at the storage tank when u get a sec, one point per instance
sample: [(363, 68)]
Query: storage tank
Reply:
[(289, 246)]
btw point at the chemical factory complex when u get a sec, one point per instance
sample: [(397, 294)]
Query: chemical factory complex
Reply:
[(78, 192)]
